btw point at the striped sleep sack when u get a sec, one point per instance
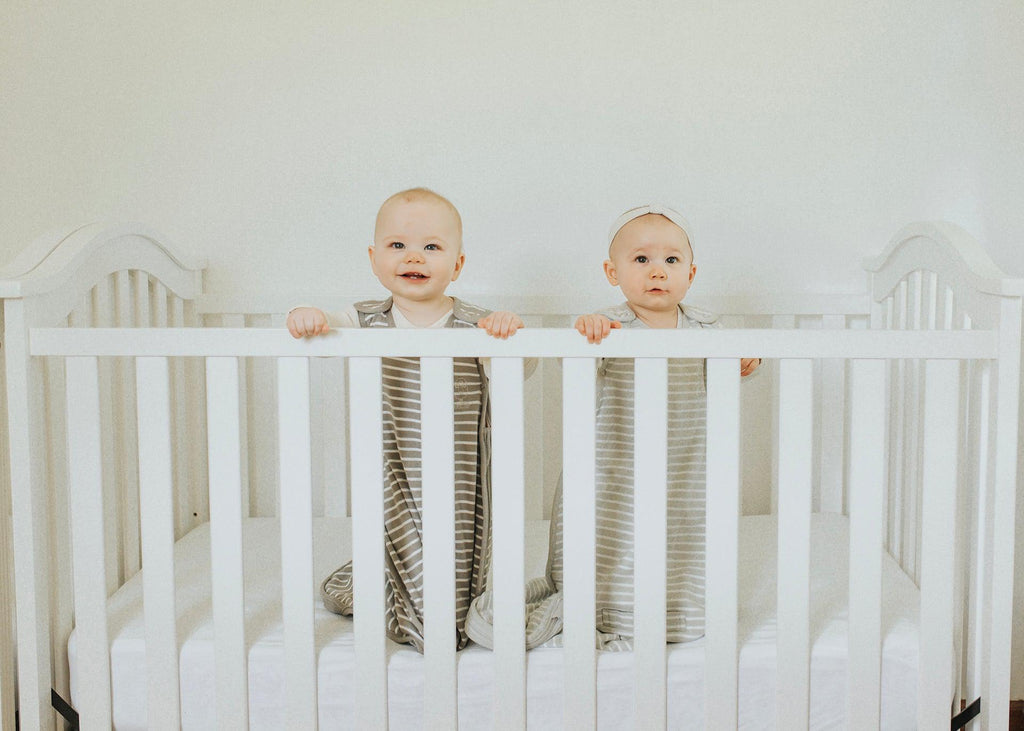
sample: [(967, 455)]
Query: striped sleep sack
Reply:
[(403, 505), (687, 405)]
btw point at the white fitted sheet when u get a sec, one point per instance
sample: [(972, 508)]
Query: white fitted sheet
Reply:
[(332, 546)]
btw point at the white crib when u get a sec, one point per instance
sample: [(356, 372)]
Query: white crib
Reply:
[(130, 391)]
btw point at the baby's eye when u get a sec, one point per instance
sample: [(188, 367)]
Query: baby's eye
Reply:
[(641, 259), (672, 260), (396, 245), (432, 247)]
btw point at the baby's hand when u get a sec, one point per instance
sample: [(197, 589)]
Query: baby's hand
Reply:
[(596, 327), (749, 365), (307, 321), (501, 324)]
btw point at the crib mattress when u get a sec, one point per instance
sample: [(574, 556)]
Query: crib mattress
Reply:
[(332, 546)]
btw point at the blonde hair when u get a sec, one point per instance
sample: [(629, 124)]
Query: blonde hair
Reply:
[(421, 194)]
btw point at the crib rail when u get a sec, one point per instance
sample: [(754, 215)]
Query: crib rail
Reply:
[(866, 351)]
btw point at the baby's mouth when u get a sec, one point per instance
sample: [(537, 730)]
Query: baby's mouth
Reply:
[(413, 275)]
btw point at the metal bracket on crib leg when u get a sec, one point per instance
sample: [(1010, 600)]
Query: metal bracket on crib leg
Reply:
[(64, 708), (965, 716)]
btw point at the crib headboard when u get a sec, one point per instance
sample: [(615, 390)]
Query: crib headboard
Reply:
[(93, 276), (935, 276)]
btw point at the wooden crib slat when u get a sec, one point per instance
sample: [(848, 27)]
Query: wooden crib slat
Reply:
[(296, 515), (779, 322), (102, 315), (156, 506), (795, 485), (867, 475), (832, 410), (649, 519), (127, 446), (371, 678), (898, 428), (578, 457), (62, 611), (438, 459), (238, 321), (721, 566), (938, 527), (180, 428), (509, 515), (224, 464), (87, 520)]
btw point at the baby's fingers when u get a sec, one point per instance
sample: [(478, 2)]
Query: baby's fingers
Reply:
[(514, 323), (491, 323)]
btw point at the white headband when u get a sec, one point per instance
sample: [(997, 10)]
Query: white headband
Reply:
[(674, 216)]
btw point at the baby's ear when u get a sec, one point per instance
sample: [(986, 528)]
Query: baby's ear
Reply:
[(459, 263), (609, 273)]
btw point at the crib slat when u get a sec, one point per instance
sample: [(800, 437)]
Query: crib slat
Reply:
[(102, 315), (238, 321), (224, 463), (156, 506), (832, 412), (296, 506), (867, 475), (649, 519), (779, 322), (942, 387), (721, 565), (62, 611), (578, 456), (127, 458), (438, 459), (371, 679), (509, 501), (184, 486), (795, 472), (87, 519)]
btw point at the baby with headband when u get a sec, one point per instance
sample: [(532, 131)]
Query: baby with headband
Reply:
[(650, 258)]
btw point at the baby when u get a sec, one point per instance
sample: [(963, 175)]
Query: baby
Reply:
[(650, 258), (416, 254)]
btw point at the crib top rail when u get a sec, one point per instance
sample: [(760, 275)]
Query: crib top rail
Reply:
[(529, 343)]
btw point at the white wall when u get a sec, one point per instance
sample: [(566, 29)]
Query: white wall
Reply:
[(797, 137)]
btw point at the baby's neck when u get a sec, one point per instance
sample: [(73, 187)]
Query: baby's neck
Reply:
[(657, 319), (422, 314)]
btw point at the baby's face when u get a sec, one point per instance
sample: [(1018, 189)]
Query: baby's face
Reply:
[(417, 249), (651, 261)]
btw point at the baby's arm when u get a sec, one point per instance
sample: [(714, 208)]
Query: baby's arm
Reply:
[(501, 324), (595, 328)]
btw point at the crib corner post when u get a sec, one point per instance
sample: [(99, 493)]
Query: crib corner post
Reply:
[(995, 684), (30, 530)]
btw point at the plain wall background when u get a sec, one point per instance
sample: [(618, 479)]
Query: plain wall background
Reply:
[(796, 136)]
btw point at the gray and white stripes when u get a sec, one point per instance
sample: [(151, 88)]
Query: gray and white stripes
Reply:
[(403, 502)]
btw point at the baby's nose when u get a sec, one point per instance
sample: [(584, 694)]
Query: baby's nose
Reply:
[(413, 255), (657, 272)]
